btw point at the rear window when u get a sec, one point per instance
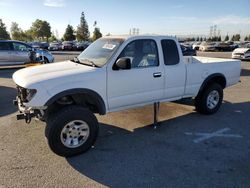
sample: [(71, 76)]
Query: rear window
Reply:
[(170, 52), (5, 46)]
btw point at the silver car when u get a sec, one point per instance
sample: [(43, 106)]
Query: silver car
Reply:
[(16, 53)]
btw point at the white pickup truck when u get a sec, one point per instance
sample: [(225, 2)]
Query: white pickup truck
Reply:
[(112, 74)]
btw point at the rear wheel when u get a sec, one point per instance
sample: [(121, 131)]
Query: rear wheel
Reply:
[(209, 101), (71, 131)]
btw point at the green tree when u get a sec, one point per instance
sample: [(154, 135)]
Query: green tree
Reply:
[(226, 38), (41, 29), (96, 34), (52, 38), (247, 38), (16, 32), (69, 34), (82, 32), (236, 37), (4, 35), (28, 34)]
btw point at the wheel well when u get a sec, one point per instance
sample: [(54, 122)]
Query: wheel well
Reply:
[(217, 78), (89, 100)]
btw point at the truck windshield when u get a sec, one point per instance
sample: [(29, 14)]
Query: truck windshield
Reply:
[(100, 51)]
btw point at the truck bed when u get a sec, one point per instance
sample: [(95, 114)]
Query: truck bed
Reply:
[(199, 68), (199, 59)]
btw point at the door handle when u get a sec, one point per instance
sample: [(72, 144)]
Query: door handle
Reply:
[(157, 74)]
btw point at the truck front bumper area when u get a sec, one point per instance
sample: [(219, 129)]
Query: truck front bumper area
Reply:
[(25, 113)]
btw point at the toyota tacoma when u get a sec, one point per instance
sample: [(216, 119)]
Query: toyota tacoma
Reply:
[(113, 74)]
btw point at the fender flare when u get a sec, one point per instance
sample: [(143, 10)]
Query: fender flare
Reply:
[(209, 78), (99, 101)]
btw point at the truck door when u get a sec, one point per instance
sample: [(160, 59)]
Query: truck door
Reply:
[(143, 83), (175, 70)]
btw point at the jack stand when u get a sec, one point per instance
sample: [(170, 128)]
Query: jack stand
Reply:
[(156, 111)]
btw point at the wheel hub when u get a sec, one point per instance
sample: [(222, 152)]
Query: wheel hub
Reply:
[(75, 133), (213, 99)]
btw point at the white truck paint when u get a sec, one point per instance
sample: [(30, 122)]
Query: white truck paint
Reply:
[(122, 88)]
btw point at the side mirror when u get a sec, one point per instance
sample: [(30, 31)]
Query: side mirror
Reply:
[(123, 63)]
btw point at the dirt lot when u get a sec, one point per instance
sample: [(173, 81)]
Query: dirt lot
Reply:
[(187, 150)]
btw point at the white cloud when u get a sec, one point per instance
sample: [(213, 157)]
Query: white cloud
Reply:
[(54, 3), (5, 3), (232, 20)]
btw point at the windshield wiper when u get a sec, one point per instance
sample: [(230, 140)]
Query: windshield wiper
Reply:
[(89, 62), (83, 62)]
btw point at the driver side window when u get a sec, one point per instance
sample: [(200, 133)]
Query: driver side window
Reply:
[(142, 53)]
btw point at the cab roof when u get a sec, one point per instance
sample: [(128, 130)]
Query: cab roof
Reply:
[(125, 37)]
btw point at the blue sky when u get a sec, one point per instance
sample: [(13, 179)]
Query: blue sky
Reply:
[(175, 17)]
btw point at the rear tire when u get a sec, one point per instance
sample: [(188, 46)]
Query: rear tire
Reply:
[(71, 131), (210, 99)]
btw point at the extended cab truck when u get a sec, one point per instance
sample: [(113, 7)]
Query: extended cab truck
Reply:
[(112, 74)]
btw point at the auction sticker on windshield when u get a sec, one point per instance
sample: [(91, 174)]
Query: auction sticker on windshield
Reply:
[(109, 46)]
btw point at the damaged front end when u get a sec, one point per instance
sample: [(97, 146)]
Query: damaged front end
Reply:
[(23, 97)]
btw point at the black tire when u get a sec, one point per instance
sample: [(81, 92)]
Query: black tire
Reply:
[(57, 123), (201, 103), (46, 61)]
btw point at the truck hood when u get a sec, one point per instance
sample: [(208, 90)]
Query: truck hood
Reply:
[(34, 75), (241, 50)]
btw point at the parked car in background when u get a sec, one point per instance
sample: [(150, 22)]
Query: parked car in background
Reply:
[(222, 46), (188, 44), (233, 45), (188, 51), (42, 45), (242, 53), (16, 53), (55, 46), (208, 46), (68, 45), (80, 46), (196, 45)]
